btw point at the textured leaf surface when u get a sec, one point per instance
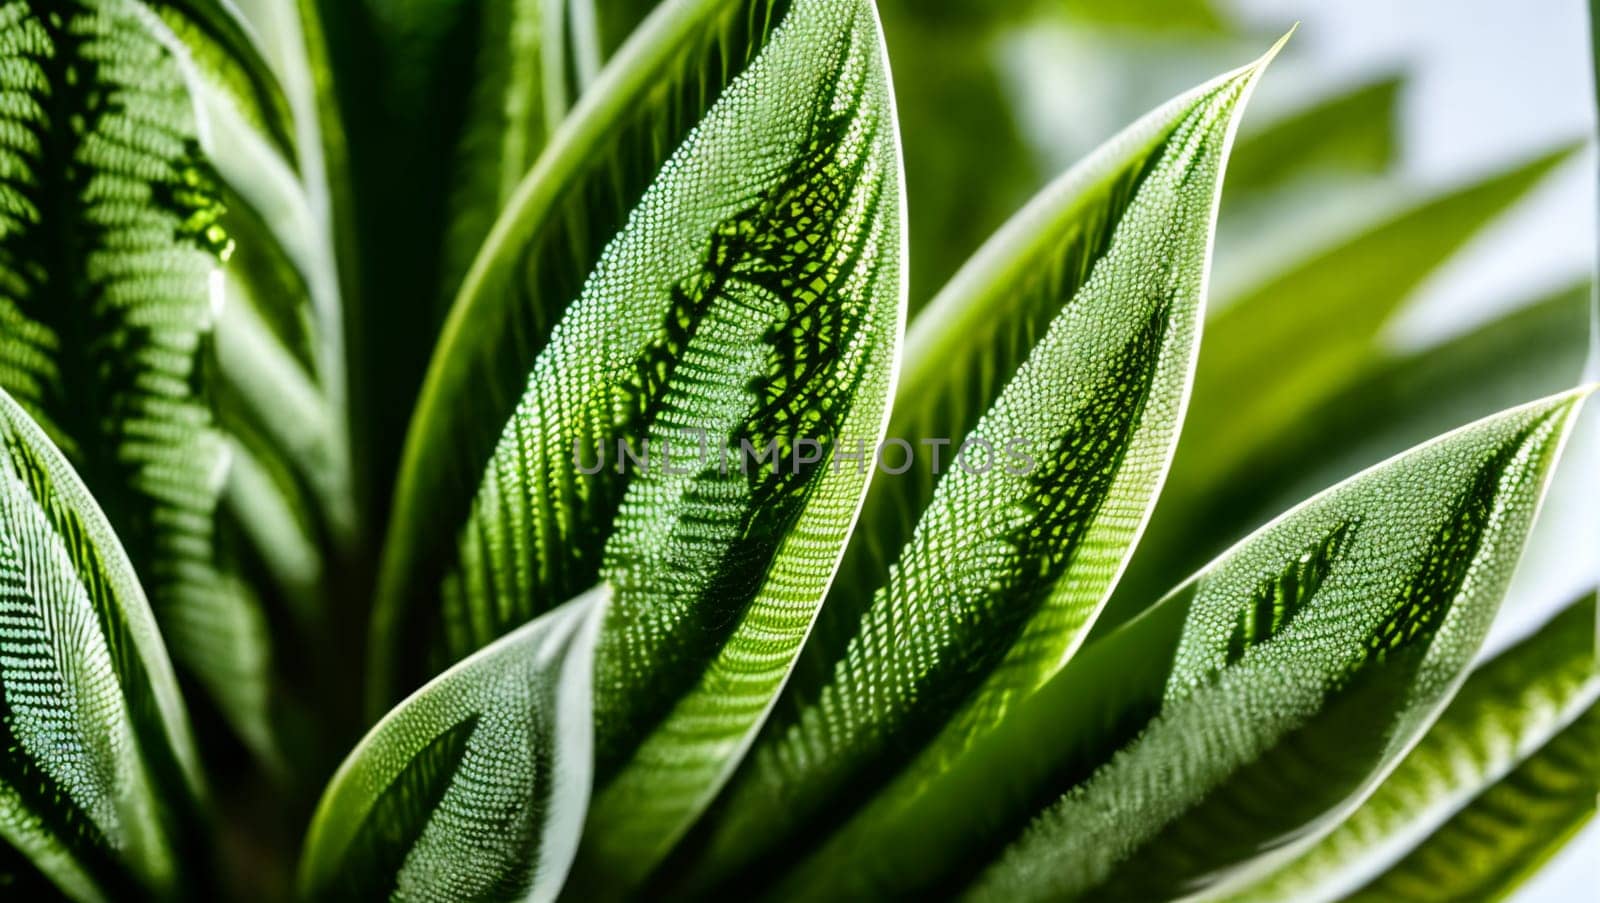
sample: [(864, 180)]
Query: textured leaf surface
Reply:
[(1027, 529), (475, 786), (1330, 307), (280, 332), (1302, 665), (751, 308), (285, 265), (1255, 704), (98, 779), (550, 239), (225, 54), (1504, 835), (108, 252), (1505, 714)]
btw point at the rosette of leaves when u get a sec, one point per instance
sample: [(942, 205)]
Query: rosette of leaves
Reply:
[(706, 571)]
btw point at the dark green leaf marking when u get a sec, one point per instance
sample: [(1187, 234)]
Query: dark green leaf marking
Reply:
[(401, 811), (499, 326), (110, 231), (782, 259), (1278, 600)]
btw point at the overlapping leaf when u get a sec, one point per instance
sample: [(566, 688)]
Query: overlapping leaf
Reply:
[(112, 232), (520, 90), (1026, 531), (475, 786), (1249, 711), (446, 105), (551, 237), (98, 780), (747, 320), (280, 334), (1504, 715), (1488, 849), (1250, 397)]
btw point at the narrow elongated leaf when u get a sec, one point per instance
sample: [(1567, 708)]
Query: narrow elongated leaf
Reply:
[(475, 786), (1506, 713), (575, 201), (453, 100), (281, 391), (747, 320), (281, 332), (1242, 692), (1504, 835), (1390, 260), (970, 341), (1330, 307), (98, 778), (1299, 668), (225, 52), (108, 254), (1025, 533), (968, 164), (519, 93)]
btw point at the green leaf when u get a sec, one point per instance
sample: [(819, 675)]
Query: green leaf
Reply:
[(1024, 534), (519, 93), (747, 321), (1349, 133), (225, 55), (1505, 714), (98, 778), (108, 258), (1257, 703), (1297, 670), (446, 105), (279, 391), (967, 163), (280, 332), (1330, 307), (1488, 849), (475, 786), (574, 202)]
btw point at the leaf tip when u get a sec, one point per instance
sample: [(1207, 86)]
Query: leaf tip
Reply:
[(1272, 52), (1572, 400)]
